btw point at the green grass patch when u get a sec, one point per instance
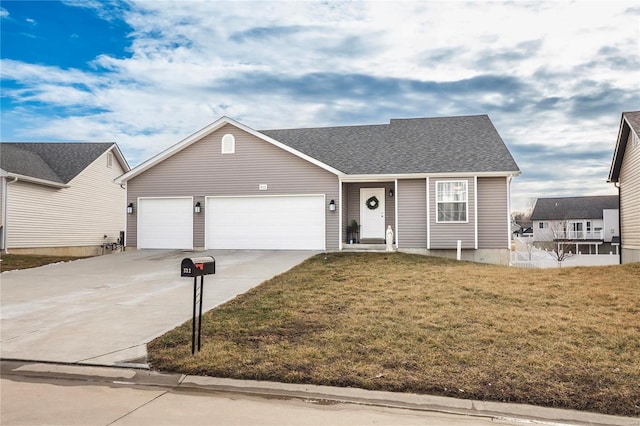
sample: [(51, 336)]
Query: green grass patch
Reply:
[(11, 262), (565, 338)]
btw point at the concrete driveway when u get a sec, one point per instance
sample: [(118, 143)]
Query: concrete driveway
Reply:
[(103, 310)]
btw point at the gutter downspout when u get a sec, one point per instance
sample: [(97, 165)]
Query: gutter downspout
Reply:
[(4, 213), (617, 185)]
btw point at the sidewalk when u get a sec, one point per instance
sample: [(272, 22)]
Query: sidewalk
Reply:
[(47, 393)]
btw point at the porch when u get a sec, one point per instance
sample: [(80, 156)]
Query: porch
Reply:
[(373, 248), (369, 208)]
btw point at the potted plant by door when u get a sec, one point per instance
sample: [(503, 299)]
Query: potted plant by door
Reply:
[(355, 231)]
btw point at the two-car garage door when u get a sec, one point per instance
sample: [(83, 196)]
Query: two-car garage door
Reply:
[(270, 222), (264, 223)]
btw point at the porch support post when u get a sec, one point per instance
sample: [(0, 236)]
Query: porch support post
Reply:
[(339, 214), (428, 217), (395, 201), (475, 211)]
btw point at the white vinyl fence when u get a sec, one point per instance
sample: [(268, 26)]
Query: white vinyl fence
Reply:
[(528, 256)]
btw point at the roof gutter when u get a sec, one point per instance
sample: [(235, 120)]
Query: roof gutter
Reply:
[(393, 176), (38, 181)]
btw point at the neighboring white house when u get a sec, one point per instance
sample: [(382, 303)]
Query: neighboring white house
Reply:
[(591, 223), (625, 174), (60, 198)]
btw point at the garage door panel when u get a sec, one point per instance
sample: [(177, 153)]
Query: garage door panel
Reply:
[(281, 222), (165, 223)]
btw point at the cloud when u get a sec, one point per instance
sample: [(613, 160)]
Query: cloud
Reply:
[(553, 76), (3, 13), (262, 34)]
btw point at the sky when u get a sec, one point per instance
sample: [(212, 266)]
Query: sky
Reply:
[(553, 76)]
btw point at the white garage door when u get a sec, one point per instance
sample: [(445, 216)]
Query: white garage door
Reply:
[(266, 223), (165, 223)]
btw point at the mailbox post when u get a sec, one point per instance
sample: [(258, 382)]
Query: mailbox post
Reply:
[(197, 267)]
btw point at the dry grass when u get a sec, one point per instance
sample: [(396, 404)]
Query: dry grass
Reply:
[(562, 338), (12, 262)]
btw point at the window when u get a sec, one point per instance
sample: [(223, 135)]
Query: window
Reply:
[(109, 159), (451, 201), (543, 225), (228, 144)]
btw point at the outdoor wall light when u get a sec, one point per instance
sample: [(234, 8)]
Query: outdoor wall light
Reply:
[(332, 206), (130, 208), (391, 193), (196, 208)]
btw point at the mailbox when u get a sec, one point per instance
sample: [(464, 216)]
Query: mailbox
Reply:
[(197, 266)]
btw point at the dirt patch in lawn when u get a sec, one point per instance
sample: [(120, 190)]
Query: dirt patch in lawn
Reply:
[(11, 262), (562, 338)]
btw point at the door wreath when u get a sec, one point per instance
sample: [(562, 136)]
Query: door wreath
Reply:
[(372, 203)]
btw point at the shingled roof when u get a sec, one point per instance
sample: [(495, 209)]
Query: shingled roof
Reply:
[(629, 122), (573, 207), (54, 162), (419, 145)]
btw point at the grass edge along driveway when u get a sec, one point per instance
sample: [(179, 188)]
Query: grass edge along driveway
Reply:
[(567, 338)]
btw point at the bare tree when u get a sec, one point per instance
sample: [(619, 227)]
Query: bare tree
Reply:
[(560, 248)]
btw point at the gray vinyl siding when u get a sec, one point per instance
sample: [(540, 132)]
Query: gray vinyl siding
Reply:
[(630, 195), (412, 213), (201, 170), (353, 203), (492, 213), (446, 235)]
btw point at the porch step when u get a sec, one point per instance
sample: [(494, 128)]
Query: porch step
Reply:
[(364, 247)]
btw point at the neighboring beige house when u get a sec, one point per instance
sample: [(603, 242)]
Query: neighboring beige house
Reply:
[(60, 198), (588, 223), (625, 174), (431, 181)]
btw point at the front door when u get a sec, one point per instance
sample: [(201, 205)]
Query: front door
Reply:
[(372, 213)]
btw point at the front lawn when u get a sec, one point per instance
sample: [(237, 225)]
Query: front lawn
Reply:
[(562, 338), (12, 262)]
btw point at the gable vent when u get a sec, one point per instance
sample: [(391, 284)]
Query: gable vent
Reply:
[(228, 144)]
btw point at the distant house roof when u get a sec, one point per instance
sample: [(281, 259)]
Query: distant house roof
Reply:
[(573, 207), (629, 122), (419, 145), (56, 162)]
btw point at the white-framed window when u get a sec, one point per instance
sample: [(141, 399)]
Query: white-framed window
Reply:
[(451, 201), (109, 159), (228, 144), (543, 225)]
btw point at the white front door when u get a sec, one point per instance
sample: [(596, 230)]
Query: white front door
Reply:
[(372, 213)]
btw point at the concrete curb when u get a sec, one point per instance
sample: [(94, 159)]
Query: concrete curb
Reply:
[(126, 376)]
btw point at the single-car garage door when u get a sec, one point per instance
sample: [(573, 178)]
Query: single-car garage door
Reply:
[(266, 223), (165, 223)]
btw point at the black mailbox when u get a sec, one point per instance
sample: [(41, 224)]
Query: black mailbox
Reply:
[(197, 266)]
